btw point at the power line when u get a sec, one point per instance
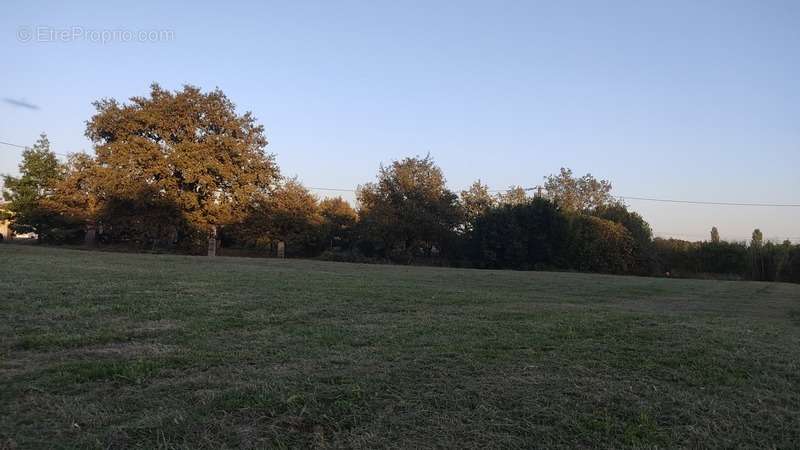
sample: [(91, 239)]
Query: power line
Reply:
[(625, 197), (696, 202), (356, 190), (14, 145), (25, 147)]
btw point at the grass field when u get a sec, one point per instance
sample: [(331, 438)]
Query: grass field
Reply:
[(117, 350)]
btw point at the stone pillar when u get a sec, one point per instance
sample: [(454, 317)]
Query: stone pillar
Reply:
[(281, 249), (212, 242), (91, 234), (212, 246)]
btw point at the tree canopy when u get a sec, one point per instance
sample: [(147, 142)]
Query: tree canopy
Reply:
[(476, 201), (175, 168), (40, 171), (339, 220), (186, 148), (408, 210), (578, 194), (515, 195)]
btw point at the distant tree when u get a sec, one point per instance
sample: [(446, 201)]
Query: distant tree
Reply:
[(523, 236), (476, 201), (578, 194), (408, 210), (40, 171), (757, 239), (290, 214), (186, 148), (515, 195), (790, 272), (714, 235), (338, 222), (727, 258), (599, 245), (758, 262), (730, 260), (639, 230)]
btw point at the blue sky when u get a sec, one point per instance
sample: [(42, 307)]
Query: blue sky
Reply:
[(670, 99)]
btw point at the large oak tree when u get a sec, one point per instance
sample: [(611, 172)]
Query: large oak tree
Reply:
[(186, 148)]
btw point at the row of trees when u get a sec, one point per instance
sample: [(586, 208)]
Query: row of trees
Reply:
[(173, 169), (755, 260)]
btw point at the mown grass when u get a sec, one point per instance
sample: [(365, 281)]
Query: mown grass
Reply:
[(101, 350)]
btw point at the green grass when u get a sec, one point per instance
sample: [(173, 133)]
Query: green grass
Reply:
[(102, 350)]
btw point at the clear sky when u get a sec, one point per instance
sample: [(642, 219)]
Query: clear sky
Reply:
[(695, 100)]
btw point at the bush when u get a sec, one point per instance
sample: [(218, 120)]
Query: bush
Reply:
[(599, 245), (645, 261)]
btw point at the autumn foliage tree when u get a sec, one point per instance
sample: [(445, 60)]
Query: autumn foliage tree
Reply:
[(515, 195), (575, 194), (186, 151), (74, 196)]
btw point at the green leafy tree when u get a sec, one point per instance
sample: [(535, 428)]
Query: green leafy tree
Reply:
[(714, 235), (645, 261), (757, 240), (790, 271), (476, 201), (408, 211), (289, 214), (599, 245), (729, 260), (524, 236), (338, 222), (187, 149), (40, 171), (758, 263), (578, 194)]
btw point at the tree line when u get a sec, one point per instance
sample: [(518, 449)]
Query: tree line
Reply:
[(174, 169)]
